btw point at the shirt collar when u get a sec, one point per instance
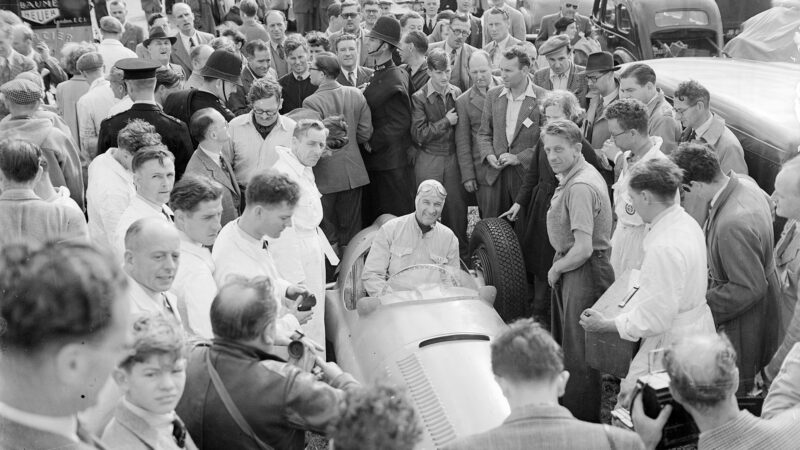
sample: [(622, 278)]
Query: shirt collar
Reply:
[(385, 65), (19, 194), (99, 82), (610, 97), (504, 42), (111, 42), (719, 192), (702, 129), (563, 179), (62, 426), (249, 240), (291, 159), (152, 419), (566, 74), (213, 156), (663, 214), (301, 77), (528, 92), (432, 91)]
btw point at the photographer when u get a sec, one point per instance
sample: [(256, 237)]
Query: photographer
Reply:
[(239, 395), (703, 379)]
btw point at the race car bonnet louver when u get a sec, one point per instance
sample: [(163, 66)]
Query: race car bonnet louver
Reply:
[(427, 402)]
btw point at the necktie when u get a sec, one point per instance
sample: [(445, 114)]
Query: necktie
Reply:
[(353, 78), (179, 432), (692, 136), (191, 42), (167, 215), (167, 305), (265, 245), (453, 56), (281, 53)]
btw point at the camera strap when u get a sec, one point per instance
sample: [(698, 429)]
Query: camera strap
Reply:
[(230, 406)]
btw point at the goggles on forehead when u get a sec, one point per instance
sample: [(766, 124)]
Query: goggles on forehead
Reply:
[(431, 187)]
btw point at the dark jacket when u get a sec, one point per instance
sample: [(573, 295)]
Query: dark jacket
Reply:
[(201, 164), (430, 128), (182, 104), (390, 102), (576, 83), (278, 401), (419, 78), (294, 91), (363, 74), (174, 133)]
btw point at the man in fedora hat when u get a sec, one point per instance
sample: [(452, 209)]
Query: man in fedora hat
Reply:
[(221, 77), (387, 152), (159, 46), (603, 91)]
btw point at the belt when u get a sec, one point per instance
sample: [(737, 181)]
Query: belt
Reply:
[(692, 315), (323, 242)]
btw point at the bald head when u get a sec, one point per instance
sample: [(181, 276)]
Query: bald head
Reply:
[(243, 309), (152, 252), (199, 55), (702, 370)]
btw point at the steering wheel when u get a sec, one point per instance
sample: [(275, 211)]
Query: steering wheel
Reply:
[(445, 277)]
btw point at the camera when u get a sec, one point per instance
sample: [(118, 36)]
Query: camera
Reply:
[(307, 302), (302, 353)]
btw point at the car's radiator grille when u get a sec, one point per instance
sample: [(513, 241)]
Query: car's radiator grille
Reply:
[(428, 405)]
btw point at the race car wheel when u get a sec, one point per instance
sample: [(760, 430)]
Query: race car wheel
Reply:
[(495, 251)]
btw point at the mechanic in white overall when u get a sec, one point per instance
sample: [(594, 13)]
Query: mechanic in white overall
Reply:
[(301, 249)]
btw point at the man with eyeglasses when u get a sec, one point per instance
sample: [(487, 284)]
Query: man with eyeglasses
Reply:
[(568, 9), (498, 24), (465, 7), (603, 91), (372, 11), (458, 51), (255, 135), (518, 29), (351, 14)]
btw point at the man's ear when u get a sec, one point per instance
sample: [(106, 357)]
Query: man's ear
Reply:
[(70, 364), (121, 378), (562, 379), (268, 335)]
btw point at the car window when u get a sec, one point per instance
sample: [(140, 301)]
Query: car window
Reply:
[(353, 288), (623, 18), (611, 12), (681, 17)]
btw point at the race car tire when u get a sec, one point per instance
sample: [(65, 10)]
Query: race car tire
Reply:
[(494, 249)]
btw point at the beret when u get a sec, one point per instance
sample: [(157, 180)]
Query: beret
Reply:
[(22, 91), (110, 24), (554, 44)]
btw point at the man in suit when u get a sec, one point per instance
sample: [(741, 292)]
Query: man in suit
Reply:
[(347, 52), (476, 29), (140, 80), (507, 146), (340, 176), (188, 36), (371, 11), (693, 108), (276, 27), (469, 107), (743, 284), (568, 9), (518, 29), (603, 91), (258, 65), (413, 49), (209, 128), (529, 368), (351, 13), (431, 8), (562, 73), (62, 337), (133, 34), (458, 51), (639, 81), (498, 24)]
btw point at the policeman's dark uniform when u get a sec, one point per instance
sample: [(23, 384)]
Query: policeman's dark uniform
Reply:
[(391, 185), (174, 133)]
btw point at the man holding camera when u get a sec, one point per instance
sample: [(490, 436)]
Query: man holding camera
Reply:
[(239, 395), (703, 380)]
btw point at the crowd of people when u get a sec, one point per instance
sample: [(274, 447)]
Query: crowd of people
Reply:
[(175, 200)]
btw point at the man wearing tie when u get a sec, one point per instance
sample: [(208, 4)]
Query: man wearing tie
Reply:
[(431, 11), (276, 27), (351, 13), (210, 129), (347, 52), (458, 50), (188, 37), (413, 48), (562, 73), (498, 24), (603, 91)]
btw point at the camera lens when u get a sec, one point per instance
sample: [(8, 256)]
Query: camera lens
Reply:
[(296, 349)]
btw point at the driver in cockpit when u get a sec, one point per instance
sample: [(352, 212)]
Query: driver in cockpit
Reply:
[(416, 238)]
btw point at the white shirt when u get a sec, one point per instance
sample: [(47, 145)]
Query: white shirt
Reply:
[(237, 253), (560, 81), (122, 105), (500, 47), (186, 43), (93, 107), (112, 51), (512, 111), (253, 153), (160, 423), (139, 208), (62, 197), (62, 426), (623, 206), (142, 302), (108, 193), (194, 286)]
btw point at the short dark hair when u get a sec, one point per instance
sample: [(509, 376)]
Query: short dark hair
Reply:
[(243, 317), (437, 59), (191, 190), (562, 24), (526, 352), (56, 294), (272, 188), (167, 77), (304, 125), (342, 38), (698, 162), (248, 7), (152, 19), (72, 51), (249, 50), (461, 17), (154, 335), (200, 123), (264, 88), (519, 53), (318, 39), (498, 12), (293, 42), (692, 92), (418, 40), (337, 132), (374, 417), (238, 38), (152, 152), (223, 43), (659, 176), (328, 64), (19, 160), (642, 72), (445, 14), (334, 9), (350, 4), (137, 133), (409, 15), (630, 113)]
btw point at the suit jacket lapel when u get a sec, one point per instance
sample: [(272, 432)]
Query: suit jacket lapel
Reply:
[(500, 113), (181, 54), (722, 199), (524, 112), (137, 426), (215, 171)]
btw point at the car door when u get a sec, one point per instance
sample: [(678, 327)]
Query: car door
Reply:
[(617, 30)]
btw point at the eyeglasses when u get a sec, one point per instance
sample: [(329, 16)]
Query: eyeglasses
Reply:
[(682, 111), (570, 5), (264, 112), (616, 135), (594, 77), (458, 32), (350, 15), (314, 68)]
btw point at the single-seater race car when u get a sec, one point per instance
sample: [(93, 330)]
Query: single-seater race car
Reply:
[(430, 330)]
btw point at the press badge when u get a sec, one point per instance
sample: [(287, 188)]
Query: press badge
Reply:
[(527, 122)]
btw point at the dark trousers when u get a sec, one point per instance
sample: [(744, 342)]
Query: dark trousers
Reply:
[(388, 192), (444, 169), (305, 22), (496, 199), (341, 215), (574, 292)]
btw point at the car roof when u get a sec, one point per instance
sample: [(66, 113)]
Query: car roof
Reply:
[(647, 9)]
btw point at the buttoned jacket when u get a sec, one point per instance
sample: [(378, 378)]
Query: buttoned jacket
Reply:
[(430, 129), (722, 140), (576, 83), (201, 164), (363, 74), (469, 107), (459, 76), (344, 169), (180, 54)]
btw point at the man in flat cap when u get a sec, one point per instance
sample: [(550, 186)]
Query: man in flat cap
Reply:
[(23, 98), (562, 73), (140, 79), (94, 105), (110, 47), (387, 152)]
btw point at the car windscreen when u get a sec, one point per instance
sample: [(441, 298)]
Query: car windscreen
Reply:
[(427, 282), (681, 17)]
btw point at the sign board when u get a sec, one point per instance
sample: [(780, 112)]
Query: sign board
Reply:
[(55, 22)]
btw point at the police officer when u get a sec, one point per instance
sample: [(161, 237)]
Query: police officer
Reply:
[(140, 78)]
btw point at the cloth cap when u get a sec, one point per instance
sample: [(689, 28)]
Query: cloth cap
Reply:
[(22, 91), (386, 29), (223, 65), (600, 62), (157, 32), (137, 69), (554, 44), (110, 25), (89, 61)]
